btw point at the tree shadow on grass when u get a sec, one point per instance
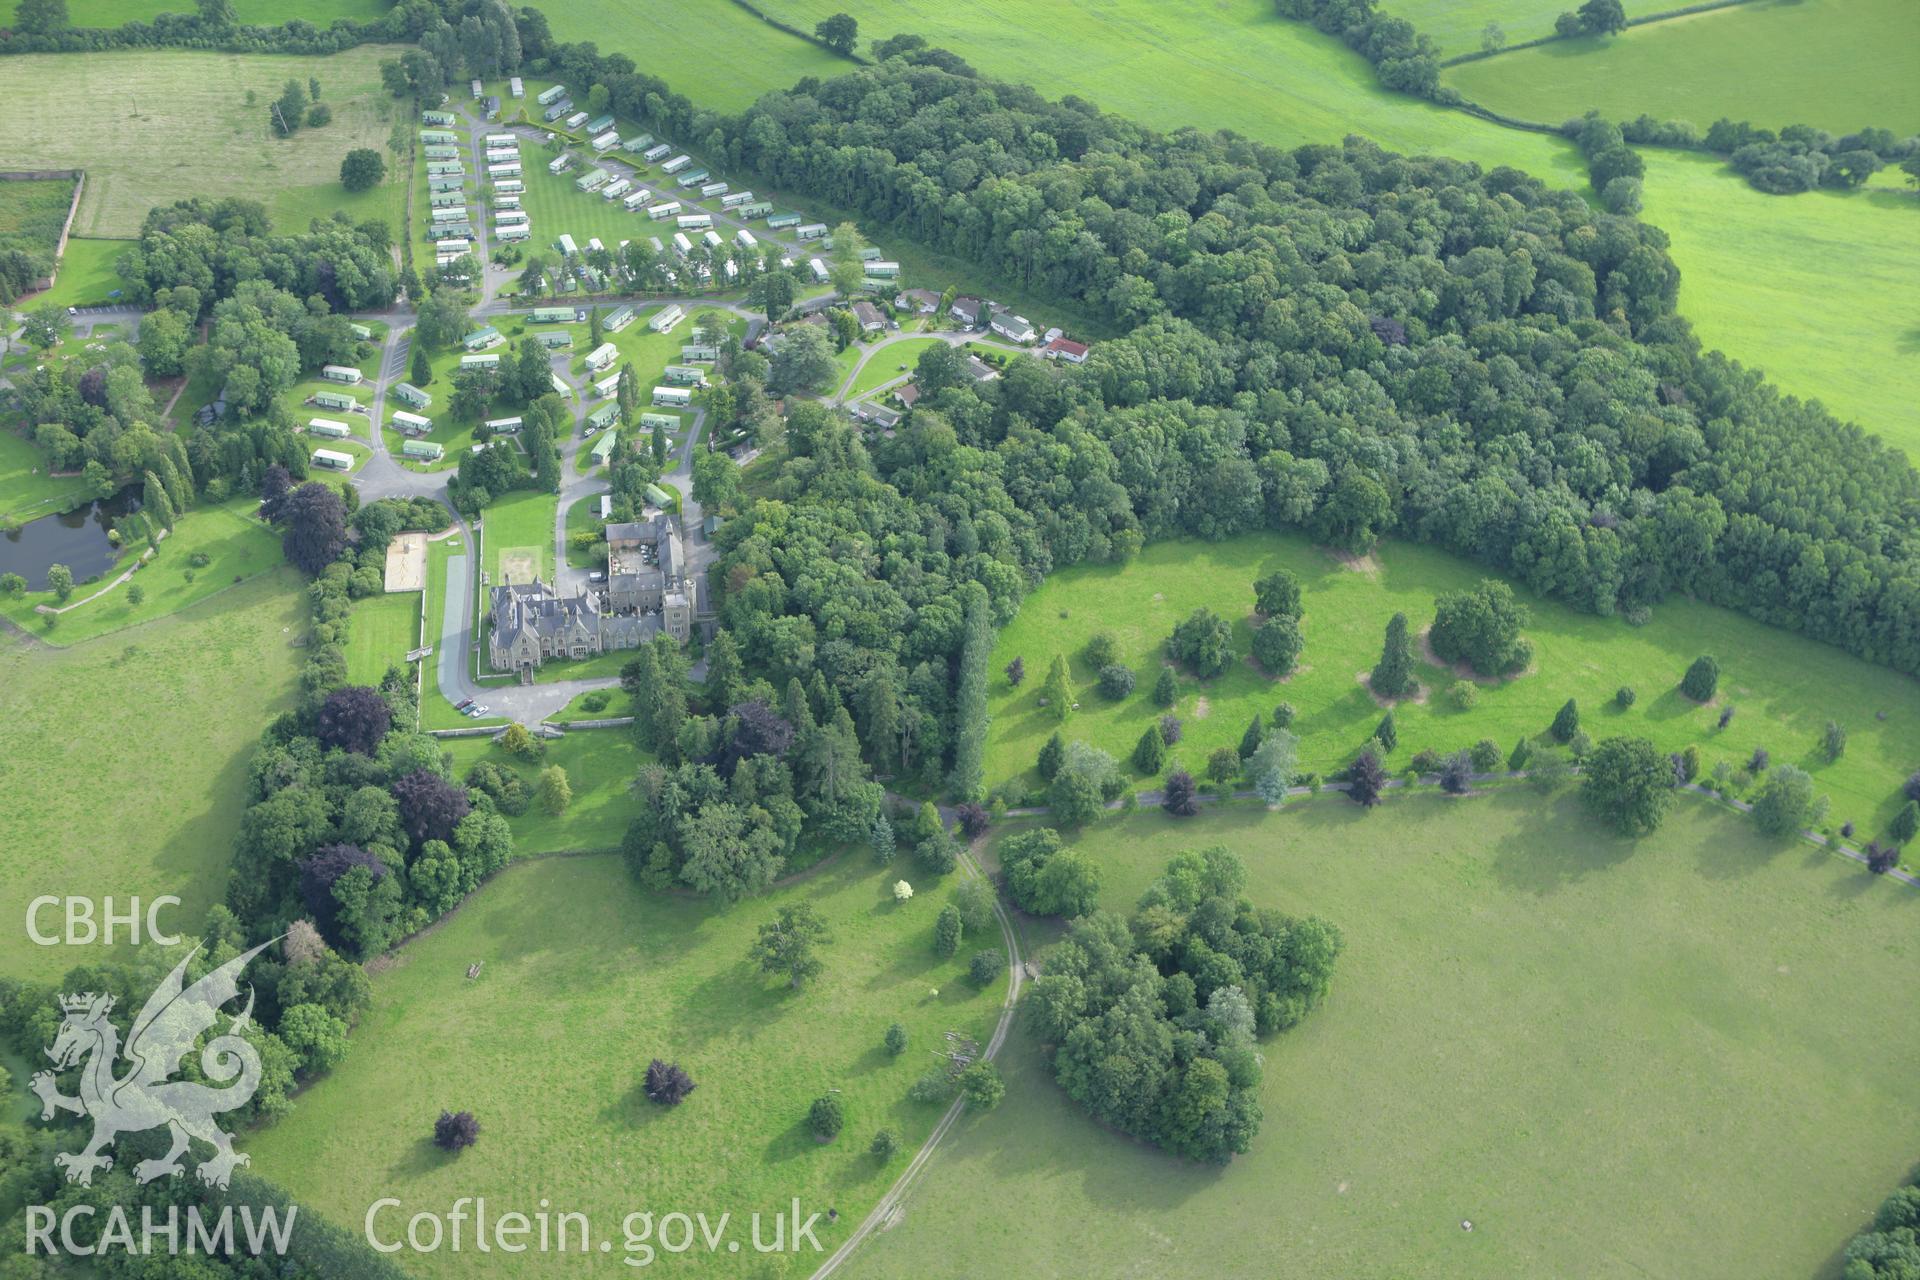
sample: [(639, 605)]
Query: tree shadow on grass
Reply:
[(795, 1141), (419, 1159), (1540, 858), (634, 1110)]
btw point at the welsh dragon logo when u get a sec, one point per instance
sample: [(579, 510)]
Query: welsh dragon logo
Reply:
[(146, 1097)]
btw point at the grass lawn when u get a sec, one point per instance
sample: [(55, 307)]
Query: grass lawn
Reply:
[(618, 704), (163, 125), (599, 764), (584, 979), (435, 711), (383, 630), (885, 367), (583, 516), (1785, 687), (1816, 289), (1839, 65), (1537, 1027), (26, 490), (86, 277), (453, 434), (520, 521), (239, 546), (132, 767)]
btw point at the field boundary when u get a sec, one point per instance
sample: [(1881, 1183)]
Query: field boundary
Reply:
[(1646, 19), (808, 36)]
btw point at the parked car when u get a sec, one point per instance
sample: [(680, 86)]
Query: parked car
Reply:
[(597, 575), (463, 704)]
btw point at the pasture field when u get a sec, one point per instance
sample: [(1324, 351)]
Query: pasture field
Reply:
[(519, 522), (1239, 66), (383, 630), (1817, 289), (585, 978), (238, 545), (164, 125), (1785, 687), (713, 51), (599, 764), (26, 489), (86, 277), (145, 735), (1536, 1027), (1455, 25), (321, 13), (1840, 65)]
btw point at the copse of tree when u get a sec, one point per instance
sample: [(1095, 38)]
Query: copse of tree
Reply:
[(313, 521), (1204, 642), (1044, 877), (1086, 779), (1110, 1020), (1277, 595), (1481, 627), (1785, 802)]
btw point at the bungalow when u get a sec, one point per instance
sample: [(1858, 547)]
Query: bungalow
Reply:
[(650, 422), (560, 388), (547, 97), (507, 170), (421, 450), (676, 164), (606, 506), (693, 177), (605, 141), (603, 417), (554, 339), (411, 424), (560, 163), (907, 394), (513, 233), (504, 426), (758, 209), (665, 209), (515, 88), (332, 460), (615, 189), (654, 152), (922, 302), (777, 221), (328, 427), (439, 119), (634, 146), (600, 124), (345, 374), (980, 371), (682, 245), (361, 332), (437, 136), (694, 221), (603, 448), (812, 231), (1065, 349), (567, 246), (1012, 327), (883, 270), (620, 319), (441, 151), (602, 356), (708, 190), (871, 321), (483, 338), (734, 199), (511, 187), (577, 119), (684, 375), (407, 393), (966, 312), (489, 361), (554, 315), (672, 397), (700, 351), (607, 387), (636, 199), (883, 417), (557, 110), (593, 180), (666, 318), (819, 269)]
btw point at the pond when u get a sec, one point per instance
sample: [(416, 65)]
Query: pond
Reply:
[(76, 539)]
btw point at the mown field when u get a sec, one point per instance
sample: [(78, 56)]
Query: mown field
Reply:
[(1456, 25), (132, 770), (383, 630), (158, 126), (1817, 289), (1785, 688), (1836, 64), (26, 489), (585, 978), (599, 764), (87, 277), (1676, 1057), (520, 521)]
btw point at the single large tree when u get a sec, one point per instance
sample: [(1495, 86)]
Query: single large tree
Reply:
[(430, 806), (1602, 17), (1628, 782), (363, 169), (786, 944), (838, 32), (1180, 796), (354, 719), (40, 17), (1393, 675), (455, 1131), (314, 527), (667, 1084), (1366, 779)]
